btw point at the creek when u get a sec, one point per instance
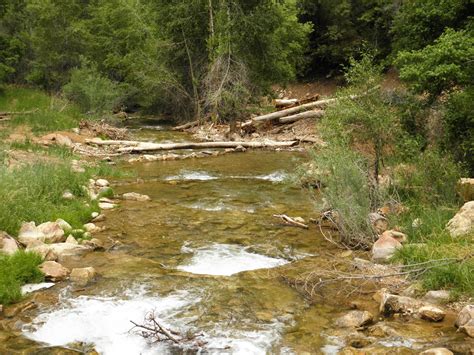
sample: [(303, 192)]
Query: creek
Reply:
[(205, 255)]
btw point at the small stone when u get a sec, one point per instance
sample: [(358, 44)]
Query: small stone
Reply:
[(354, 319), (239, 148), (399, 304), (431, 313), (465, 188), (437, 296), (68, 195), (378, 222), (133, 196), (99, 218), (465, 320), (106, 200), (417, 222), (437, 351), (401, 237), (90, 227), (299, 219), (102, 183), (94, 214), (63, 224), (106, 205), (54, 271), (82, 276), (94, 243)]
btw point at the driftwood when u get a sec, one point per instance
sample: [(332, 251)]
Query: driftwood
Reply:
[(186, 125), (278, 103), (290, 221), (300, 116)]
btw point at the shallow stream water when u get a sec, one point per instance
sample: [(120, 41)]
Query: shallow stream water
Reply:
[(205, 255)]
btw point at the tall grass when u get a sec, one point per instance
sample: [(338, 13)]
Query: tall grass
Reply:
[(34, 193), (15, 271), (50, 113)]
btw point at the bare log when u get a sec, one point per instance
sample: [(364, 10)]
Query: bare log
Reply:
[(300, 116), (148, 147), (186, 125), (278, 103), (12, 113), (290, 221), (99, 141)]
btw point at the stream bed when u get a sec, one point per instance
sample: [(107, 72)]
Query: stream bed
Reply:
[(206, 256)]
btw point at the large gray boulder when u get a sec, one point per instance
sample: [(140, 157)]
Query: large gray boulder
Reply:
[(54, 271)]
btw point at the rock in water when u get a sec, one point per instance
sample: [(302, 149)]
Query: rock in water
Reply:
[(54, 271), (465, 320), (463, 222), (82, 276), (133, 196), (431, 313), (354, 319)]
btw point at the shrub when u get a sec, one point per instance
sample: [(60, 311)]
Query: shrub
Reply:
[(93, 92), (16, 270)]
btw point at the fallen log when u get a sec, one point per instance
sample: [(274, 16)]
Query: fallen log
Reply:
[(186, 125), (300, 116), (148, 147), (99, 141), (12, 113), (279, 103), (291, 221)]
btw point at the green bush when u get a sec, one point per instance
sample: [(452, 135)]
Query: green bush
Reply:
[(15, 271), (459, 126), (93, 92)]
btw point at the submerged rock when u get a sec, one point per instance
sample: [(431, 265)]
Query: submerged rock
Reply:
[(463, 222), (54, 271), (133, 196), (465, 320), (431, 313), (82, 276), (354, 319)]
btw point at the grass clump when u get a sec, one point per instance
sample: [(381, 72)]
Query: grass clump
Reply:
[(34, 193), (48, 113), (15, 271)]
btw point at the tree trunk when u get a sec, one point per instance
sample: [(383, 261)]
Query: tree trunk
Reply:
[(302, 115)]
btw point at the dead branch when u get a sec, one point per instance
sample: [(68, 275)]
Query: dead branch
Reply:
[(186, 125), (290, 221), (300, 116), (15, 113)]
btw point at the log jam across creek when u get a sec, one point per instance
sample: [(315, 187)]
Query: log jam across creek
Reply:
[(205, 255)]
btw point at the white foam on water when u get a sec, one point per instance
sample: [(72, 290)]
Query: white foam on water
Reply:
[(105, 322), (192, 175), (276, 176), (28, 288), (227, 260), (218, 207)]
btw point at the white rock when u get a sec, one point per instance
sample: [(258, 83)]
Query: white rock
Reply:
[(102, 183), (437, 351), (95, 214), (465, 188), (106, 205), (91, 227), (29, 288), (437, 296), (133, 196), (99, 218), (67, 195), (463, 222), (71, 240), (354, 319), (431, 313), (29, 233), (44, 250)]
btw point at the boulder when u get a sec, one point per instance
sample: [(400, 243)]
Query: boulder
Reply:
[(44, 251), (54, 271), (53, 233), (384, 248), (465, 320), (94, 244), (354, 319), (29, 234), (463, 222), (133, 196), (82, 276), (437, 296), (379, 223), (437, 351), (99, 218), (431, 313), (465, 189), (68, 249), (8, 245), (71, 240)]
